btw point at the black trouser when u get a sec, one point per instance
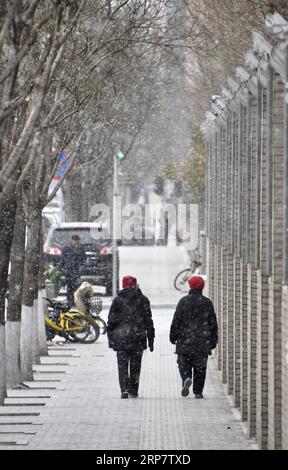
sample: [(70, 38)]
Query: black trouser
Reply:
[(129, 367), (72, 284), (196, 362)]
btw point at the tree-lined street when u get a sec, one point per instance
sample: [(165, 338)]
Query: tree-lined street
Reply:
[(111, 111), (85, 411)]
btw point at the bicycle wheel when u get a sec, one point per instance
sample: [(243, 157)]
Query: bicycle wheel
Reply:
[(180, 282), (50, 333), (101, 323), (51, 327), (81, 328)]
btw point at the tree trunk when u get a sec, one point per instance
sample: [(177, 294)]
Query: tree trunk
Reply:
[(2, 365), (85, 199), (13, 325), (42, 306), (26, 348), (42, 340), (29, 325), (72, 190), (7, 217)]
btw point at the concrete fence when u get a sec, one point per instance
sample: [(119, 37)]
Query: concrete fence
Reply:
[(247, 234)]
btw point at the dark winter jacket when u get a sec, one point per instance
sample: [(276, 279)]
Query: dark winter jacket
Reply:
[(194, 327), (72, 261), (130, 321)]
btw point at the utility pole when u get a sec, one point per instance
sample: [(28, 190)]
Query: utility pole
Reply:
[(114, 241)]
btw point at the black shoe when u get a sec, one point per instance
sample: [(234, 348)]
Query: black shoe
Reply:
[(198, 395), (124, 395), (133, 395), (186, 386)]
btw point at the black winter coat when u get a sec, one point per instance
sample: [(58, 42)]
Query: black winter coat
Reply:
[(130, 321), (72, 261), (194, 327)]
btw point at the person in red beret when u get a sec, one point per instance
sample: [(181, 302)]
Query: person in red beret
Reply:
[(129, 327), (194, 330)]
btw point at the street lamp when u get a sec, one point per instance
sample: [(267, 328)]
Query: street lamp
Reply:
[(118, 157)]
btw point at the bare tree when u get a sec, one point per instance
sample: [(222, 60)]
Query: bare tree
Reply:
[(60, 90), (105, 85), (32, 33)]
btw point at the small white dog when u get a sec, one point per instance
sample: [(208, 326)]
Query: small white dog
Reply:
[(84, 292)]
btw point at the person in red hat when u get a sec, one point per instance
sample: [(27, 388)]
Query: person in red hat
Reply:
[(129, 327), (194, 330)]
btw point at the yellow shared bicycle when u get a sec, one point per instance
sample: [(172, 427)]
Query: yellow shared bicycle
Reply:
[(71, 324)]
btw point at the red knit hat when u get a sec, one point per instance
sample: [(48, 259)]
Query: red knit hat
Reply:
[(196, 282), (129, 281)]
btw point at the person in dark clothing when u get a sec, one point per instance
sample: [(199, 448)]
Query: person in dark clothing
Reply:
[(129, 326), (71, 265), (194, 330)]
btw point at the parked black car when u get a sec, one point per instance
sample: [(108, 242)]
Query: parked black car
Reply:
[(98, 262)]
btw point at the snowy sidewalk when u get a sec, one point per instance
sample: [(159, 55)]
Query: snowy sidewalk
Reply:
[(75, 403)]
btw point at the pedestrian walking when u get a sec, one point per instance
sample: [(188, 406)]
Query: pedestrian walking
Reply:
[(194, 330), (71, 265), (129, 327)]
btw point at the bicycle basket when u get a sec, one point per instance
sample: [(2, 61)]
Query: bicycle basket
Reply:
[(96, 304)]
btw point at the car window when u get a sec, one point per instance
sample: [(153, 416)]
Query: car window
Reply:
[(60, 237)]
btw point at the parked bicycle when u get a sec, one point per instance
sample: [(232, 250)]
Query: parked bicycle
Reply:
[(71, 324), (181, 280), (94, 307)]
